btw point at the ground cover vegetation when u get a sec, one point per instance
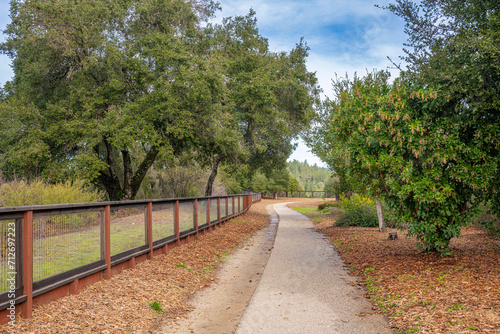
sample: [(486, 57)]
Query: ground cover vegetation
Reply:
[(420, 293), (426, 143), (106, 91)]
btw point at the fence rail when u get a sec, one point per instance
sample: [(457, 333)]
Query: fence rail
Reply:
[(306, 194), (46, 247)]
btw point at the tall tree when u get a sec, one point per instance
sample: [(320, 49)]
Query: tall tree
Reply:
[(455, 45), (98, 83), (405, 145), (268, 99)]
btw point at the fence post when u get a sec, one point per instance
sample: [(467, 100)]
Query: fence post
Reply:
[(196, 215), (107, 241), (299, 195), (150, 229), (177, 232), (27, 306), (312, 194)]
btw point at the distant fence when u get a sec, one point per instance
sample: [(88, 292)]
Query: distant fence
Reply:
[(62, 248), (307, 194)]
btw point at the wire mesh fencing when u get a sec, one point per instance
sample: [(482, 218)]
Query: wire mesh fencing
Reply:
[(186, 216), (128, 228), (65, 241), (202, 212), (213, 210), (163, 220), (9, 244)]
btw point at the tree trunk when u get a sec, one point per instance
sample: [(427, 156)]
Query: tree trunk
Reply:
[(380, 214), (131, 181), (211, 178)]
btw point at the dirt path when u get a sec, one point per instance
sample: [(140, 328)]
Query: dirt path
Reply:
[(219, 308), (305, 287)]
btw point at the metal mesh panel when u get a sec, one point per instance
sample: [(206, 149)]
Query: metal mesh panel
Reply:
[(163, 220), (128, 229), (8, 244), (213, 209), (223, 208), (241, 203), (202, 212), (186, 216), (230, 209), (64, 242)]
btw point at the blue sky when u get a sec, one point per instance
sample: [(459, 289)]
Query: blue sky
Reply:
[(344, 37)]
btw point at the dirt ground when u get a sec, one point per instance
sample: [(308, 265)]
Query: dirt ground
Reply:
[(219, 308), (122, 304), (419, 292)]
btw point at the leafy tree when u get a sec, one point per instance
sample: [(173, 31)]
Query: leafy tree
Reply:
[(268, 99), (312, 177), (293, 185), (405, 144), (103, 88), (454, 45)]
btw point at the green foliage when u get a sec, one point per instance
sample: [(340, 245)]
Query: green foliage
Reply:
[(104, 88), (362, 216), (275, 182), (20, 192), (454, 47), (267, 99), (355, 201), (156, 306), (405, 144), (325, 205), (311, 178)]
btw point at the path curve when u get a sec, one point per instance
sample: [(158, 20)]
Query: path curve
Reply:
[(305, 287)]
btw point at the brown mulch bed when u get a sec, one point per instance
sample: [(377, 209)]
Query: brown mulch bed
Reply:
[(122, 304), (423, 293)]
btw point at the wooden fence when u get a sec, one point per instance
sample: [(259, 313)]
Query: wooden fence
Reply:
[(50, 251), (307, 194)]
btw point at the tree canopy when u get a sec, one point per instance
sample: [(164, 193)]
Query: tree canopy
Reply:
[(428, 142), (103, 89)]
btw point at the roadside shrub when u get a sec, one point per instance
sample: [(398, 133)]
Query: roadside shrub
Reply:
[(355, 201), (362, 216), (325, 205), (20, 192)]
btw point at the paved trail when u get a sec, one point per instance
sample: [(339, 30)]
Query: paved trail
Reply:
[(305, 287)]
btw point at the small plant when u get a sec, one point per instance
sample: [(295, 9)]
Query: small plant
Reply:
[(207, 269), (367, 270), (456, 307), (471, 328), (181, 265), (156, 306)]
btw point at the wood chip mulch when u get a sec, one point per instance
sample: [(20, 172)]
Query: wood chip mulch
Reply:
[(122, 304), (423, 293)]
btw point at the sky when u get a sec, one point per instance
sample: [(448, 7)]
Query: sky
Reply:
[(344, 36)]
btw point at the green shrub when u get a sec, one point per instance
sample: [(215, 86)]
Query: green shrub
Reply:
[(355, 200), (19, 192), (325, 205), (363, 216)]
